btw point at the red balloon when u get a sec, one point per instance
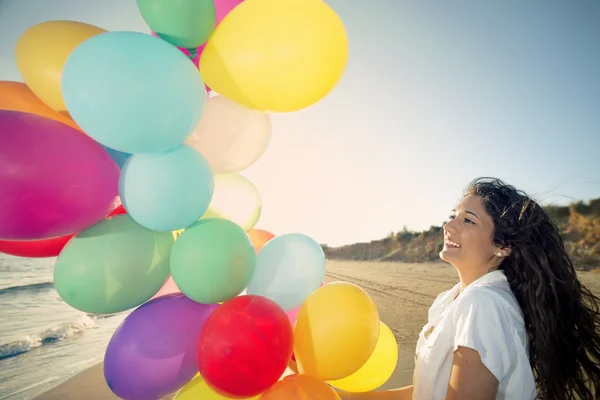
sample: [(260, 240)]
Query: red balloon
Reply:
[(244, 346), (42, 248)]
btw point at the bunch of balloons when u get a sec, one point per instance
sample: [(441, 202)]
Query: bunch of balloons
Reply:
[(114, 158)]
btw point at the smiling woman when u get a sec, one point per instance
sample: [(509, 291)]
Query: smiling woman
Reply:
[(519, 324)]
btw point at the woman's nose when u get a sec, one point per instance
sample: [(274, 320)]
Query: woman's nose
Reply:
[(450, 227)]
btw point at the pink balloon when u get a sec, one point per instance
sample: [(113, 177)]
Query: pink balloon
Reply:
[(169, 287), (224, 7), (54, 179), (293, 314)]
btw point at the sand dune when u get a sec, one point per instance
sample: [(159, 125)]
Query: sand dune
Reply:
[(402, 292)]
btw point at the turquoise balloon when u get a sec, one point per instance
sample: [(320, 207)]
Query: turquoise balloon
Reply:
[(183, 23), (133, 92), (288, 269), (213, 261), (167, 191), (113, 266)]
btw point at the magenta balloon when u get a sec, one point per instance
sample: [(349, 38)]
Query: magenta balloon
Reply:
[(54, 179), (153, 352), (224, 7)]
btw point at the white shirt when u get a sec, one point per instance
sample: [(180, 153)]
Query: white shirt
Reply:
[(485, 317)]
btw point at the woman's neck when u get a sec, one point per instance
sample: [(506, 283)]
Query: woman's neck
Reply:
[(470, 275)]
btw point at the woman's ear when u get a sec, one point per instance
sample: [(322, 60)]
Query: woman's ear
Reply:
[(503, 251)]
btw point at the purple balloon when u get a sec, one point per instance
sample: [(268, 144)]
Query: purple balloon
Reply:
[(54, 179), (153, 352)]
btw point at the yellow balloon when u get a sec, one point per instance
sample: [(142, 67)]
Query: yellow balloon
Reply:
[(198, 389), (378, 368), (41, 53), (230, 136), (336, 331), (177, 233), (235, 198), (276, 55)]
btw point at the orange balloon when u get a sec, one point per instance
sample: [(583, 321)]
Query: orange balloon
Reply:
[(16, 96), (259, 238), (299, 387)]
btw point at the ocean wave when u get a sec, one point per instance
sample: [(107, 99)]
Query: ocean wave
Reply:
[(32, 287), (47, 336)]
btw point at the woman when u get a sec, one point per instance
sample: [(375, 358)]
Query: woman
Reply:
[(519, 324)]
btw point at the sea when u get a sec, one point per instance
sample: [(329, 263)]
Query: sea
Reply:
[(43, 340)]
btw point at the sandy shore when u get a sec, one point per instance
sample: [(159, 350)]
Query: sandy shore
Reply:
[(403, 293)]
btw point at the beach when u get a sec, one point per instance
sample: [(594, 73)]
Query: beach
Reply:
[(403, 293)]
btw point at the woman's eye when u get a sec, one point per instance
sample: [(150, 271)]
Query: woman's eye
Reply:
[(451, 217), (468, 221)]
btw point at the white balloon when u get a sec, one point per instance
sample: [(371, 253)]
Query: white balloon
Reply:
[(230, 136), (235, 198)]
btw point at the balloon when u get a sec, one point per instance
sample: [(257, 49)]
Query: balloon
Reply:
[(288, 269), (169, 287), (153, 352), (167, 191), (230, 136), (224, 7), (300, 387), (236, 199), (113, 266), (273, 55), (336, 331), (292, 315), (133, 92), (259, 238), (212, 261), (54, 181), (378, 368), (244, 346), (42, 248), (41, 53), (17, 96), (192, 54), (35, 248), (183, 23), (197, 389)]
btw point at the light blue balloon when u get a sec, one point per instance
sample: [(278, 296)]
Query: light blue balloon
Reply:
[(133, 92), (166, 191), (288, 269)]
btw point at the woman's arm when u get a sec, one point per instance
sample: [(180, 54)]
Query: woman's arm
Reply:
[(405, 393), (470, 378)]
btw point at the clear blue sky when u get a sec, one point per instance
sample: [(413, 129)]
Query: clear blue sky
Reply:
[(435, 94)]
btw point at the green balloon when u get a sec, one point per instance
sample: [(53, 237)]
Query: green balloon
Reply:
[(183, 23), (213, 260), (113, 266)]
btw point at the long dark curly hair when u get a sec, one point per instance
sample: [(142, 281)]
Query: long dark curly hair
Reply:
[(562, 317)]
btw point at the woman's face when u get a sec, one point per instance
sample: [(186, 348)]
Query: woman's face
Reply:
[(468, 236)]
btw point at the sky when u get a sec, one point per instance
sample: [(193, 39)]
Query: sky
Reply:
[(435, 94)]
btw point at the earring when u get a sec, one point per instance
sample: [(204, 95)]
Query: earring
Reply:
[(499, 254)]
